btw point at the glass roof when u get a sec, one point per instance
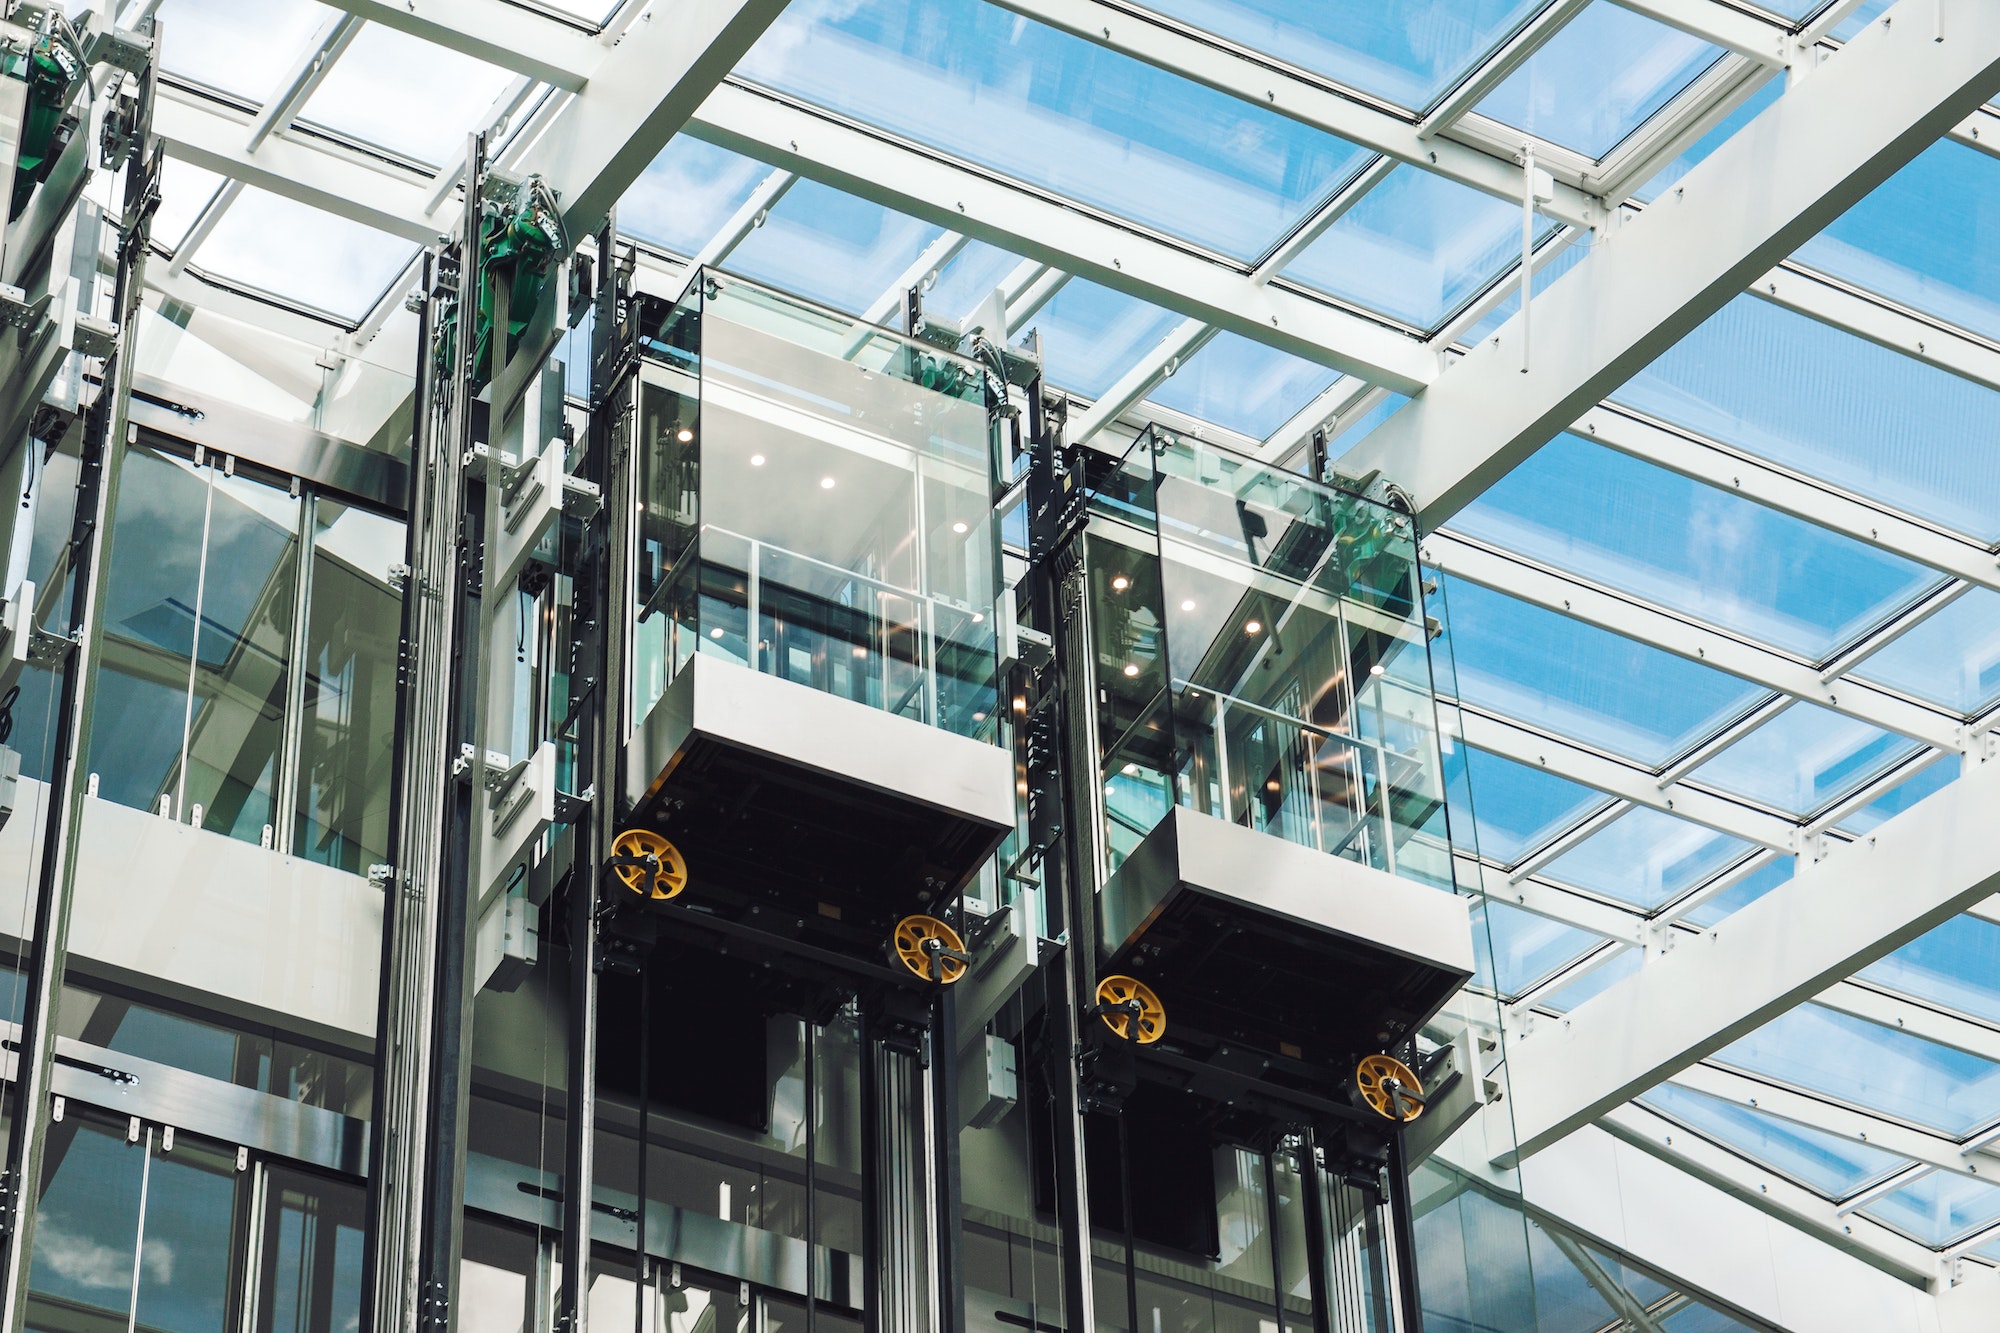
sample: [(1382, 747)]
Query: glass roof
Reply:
[(1622, 963), (687, 194), (1805, 758), (1931, 777), (969, 279), (1243, 386), (184, 191), (1515, 949), (319, 260), (1053, 110), (1694, 548), (1599, 79), (1951, 658), (1745, 891), (1939, 1208), (405, 94), (1517, 807), (1561, 674), (1091, 335), (1955, 966), (1837, 1167), (1646, 857), (239, 46), (831, 247)]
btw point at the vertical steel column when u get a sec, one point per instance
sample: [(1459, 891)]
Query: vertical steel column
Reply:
[(1319, 1250), (1403, 1229), (96, 502), (868, 1058), (950, 1246), (416, 922)]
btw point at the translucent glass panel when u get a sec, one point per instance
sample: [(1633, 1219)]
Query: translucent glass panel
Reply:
[(1956, 965), (686, 195), (1932, 777), (972, 276), (1939, 1208), (1837, 1167), (239, 46), (1516, 949), (184, 191), (1599, 79), (1091, 335), (831, 247), (1550, 267), (1550, 671), (1873, 1067), (1697, 549), (1599, 978), (407, 95), (1807, 396), (1951, 658), (1415, 247), (1056, 111), (310, 1252), (299, 253), (1805, 758), (1770, 91), (1646, 857), (1754, 885), (1517, 808), (1929, 238), (1243, 386), (1409, 51)]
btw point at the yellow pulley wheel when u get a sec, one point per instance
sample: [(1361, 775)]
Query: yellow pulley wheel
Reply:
[(931, 949), (667, 882), (1130, 1009), (1388, 1088)]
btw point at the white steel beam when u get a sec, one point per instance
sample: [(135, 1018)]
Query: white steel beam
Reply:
[(1875, 318), (509, 36), (1822, 146), (1836, 915), (1764, 40), (1685, 637), (1151, 370), (1057, 232), (1260, 78), (749, 216)]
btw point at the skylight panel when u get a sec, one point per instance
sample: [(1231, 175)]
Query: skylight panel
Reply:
[(1956, 965), (1835, 1166), (1952, 657), (1754, 885), (1058, 112), (185, 191), (1415, 247), (1753, 106), (407, 95), (1577, 680), (1645, 858), (1598, 79), (831, 247), (688, 194), (1244, 386), (1807, 396), (1929, 237), (1694, 548), (1876, 1068), (1933, 777), (1091, 335), (1939, 1207), (1514, 949), (1517, 808), (973, 275), (1409, 51), (1805, 758), (1600, 978), (301, 254), (238, 46)]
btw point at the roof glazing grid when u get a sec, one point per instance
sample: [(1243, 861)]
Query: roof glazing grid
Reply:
[(1243, 386), (1598, 79), (185, 190), (1804, 759), (1939, 1207), (831, 247), (1645, 857), (1415, 247), (1091, 335), (1055, 111), (407, 95), (1517, 808), (1516, 950), (242, 47), (1408, 51), (1598, 978), (1955, 966), (1834, 1166), (325, 262), (687, 194), (1951, 658), (1932, 777), (1694, 548)]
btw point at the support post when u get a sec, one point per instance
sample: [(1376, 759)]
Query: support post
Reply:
[(1319, 1250), (1403, 1228), (950, 1244)]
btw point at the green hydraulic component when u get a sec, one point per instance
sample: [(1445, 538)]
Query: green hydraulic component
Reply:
[(521, 240), (51, 67)]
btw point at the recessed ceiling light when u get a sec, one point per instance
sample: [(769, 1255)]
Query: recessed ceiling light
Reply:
[(1120, 583), (1131, 770), (1377, 670), (958, 528), (826, 483), (1188, 605), (1253, 627), (756, 460), (1131, 668), (686, 436), (1272, 785), (715, 633)]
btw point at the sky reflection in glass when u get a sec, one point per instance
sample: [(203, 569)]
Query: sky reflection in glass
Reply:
[(1778, 870), (407, 95), (1804, 758), (831, 247), (1517, 808), (688, 193), (1956, 965), (1835, 1166), (1939, 1208), (1933, 777), (1523, 947), (326, 262), (1091, 335), (1952, 657), (240, 46), (1645, 857), (1243, 386), (1600, 978)]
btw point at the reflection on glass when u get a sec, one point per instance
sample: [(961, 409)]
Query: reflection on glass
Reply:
[(496, 1279), (831, 247), (1243, 386), (311, 1249), (686, 195), (1939, 1208), (1805, 758), (1834, 1165), (1645, 856), (1262, 657), (185, 1267), (816, 505), (86, 1227)]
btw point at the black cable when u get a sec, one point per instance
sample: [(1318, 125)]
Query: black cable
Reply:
[(812, 1186)]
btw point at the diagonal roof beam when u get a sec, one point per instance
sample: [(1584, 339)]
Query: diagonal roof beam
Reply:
[(500, 34), (1823, 145), (1838, 914)]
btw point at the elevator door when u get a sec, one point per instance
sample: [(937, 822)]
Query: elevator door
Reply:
[(135, 1229)]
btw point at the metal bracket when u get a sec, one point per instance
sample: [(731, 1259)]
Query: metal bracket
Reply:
[(95, 337), (46, 649), (119, 47), (17, 311)]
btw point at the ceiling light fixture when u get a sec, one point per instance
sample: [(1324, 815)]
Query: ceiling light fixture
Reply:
[(1253, 627), (756, 460), (826, 483), (1119, 583), (1131, 668), (959, 528), (1377, 670), (686, 436), (1188, 605)]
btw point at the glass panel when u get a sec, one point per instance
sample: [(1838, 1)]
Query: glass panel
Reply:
[(1517, 949), (1243, 386), (968, 280), (186, 1274), (184, 192), (687, 194), (1058, 112), (1548, 267), (1874, 1067), (1805, 395), (496, 1279), (86, 1228), (1409, 51), (1091, 335), (1939, 1208), (832, 247), (1933, 776), (1600, 78), (1745, 891), (1645, 857), (1563, 675), (1517, 808), (1416, 247), (1864, 14), (1951, 656), (1805, 758), (1956, 965), (1772, 89), (1565, 1300), (1622, 963), (1924, 238), (311, 1279), (1699, 1318), (1472, 1258), (407, 95), (297, 252), (240, 46), (347, 734), (1694, 548), (1829, 1163)]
